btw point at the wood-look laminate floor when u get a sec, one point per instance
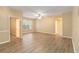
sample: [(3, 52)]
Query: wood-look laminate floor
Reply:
[(38, 43)]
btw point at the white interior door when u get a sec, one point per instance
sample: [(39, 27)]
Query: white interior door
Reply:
[(4, 29)]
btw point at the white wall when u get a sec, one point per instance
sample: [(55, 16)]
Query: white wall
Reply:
[(75, 29), (4, 29), (67, 24), (7, 13), (45, 25)]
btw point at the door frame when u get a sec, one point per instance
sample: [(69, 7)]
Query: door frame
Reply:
[(19, 28)]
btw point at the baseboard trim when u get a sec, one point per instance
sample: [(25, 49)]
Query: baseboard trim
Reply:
[(74, 47), (67, 37), (5, 42), (28, 32), (56, 34), (44, 32)]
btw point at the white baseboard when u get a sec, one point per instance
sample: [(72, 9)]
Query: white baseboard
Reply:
[(63, 36), (67, 37), (56, 34), (5, 42), (45, 32), (74, 47)]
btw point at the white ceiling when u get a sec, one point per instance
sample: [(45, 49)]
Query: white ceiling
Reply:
[(30, 11)]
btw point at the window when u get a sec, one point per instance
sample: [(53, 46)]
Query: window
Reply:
[(27, 24)]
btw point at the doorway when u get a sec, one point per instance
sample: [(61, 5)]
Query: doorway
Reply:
[(15, 30), (58, 26)]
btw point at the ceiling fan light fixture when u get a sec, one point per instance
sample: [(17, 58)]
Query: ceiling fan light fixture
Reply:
[(40, 15)]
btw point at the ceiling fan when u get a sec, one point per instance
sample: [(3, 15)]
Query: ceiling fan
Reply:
[(39, 15)]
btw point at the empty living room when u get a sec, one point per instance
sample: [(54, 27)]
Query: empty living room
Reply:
[(39, 29)]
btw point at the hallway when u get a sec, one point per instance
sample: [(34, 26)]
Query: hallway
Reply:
[(38, 43)]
